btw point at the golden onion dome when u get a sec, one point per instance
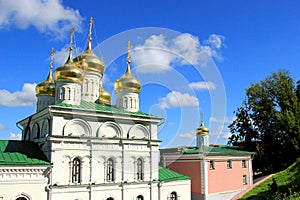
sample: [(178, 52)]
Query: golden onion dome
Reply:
[(47, 87), (104, 96), (202, 129), (128, 82), (94, 63), (69, 72)]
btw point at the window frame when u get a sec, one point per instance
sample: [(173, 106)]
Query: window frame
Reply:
[(140, 197), (140, 169), (76, 170), (245, 180), (229, 164), (173, 196), (110, 170), (212, 165), (244, 164)]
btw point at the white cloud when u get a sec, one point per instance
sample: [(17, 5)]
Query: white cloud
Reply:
[(61, 56), (203, 85), (26, 97), (189, 135), (15, 136), (153, 56), (188, 47), (220, 120), (158, 54), (216, 41), (2, 127), (47, 16), (177, 99)]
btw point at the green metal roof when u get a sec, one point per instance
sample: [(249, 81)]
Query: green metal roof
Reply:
[(213, 150), (169, 175), (84, 105), (13, 152)]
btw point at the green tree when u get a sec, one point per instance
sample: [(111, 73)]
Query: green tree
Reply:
[(268, 122)]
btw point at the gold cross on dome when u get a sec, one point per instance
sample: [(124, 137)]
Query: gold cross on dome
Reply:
[(51, 58), (128, 56)]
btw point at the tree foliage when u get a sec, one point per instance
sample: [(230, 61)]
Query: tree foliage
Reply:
[(268, 122)]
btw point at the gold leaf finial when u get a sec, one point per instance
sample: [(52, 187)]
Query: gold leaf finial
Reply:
[(51, 58), (71, 35), (71, 43), (202, 118), (90, 33), (128, 55)]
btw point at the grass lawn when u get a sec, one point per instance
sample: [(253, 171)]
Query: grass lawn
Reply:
[(284, 185)]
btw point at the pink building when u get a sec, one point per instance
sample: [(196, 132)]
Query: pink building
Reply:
[(217, 171)]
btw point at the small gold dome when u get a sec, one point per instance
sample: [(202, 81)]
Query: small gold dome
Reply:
[(202, 129), (104, 96), (47, 87), (128, 82), (69, 72)]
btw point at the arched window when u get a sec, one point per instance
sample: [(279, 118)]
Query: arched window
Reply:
[(110, 174), (125, 102), (21, 198), (140, 197), (62, 93), (76, 170), (68, 94), (139, 172), (110, 198), (173, 196)]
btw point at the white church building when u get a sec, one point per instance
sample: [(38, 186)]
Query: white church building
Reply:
[(78, 146)]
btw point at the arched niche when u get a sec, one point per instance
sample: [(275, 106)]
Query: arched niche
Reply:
[(109, 130), (36, 131), (138, 131), (27, 133), (45, 131), (77, 127)]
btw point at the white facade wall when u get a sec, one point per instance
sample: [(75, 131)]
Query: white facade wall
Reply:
[(180, 187), (23, 181)]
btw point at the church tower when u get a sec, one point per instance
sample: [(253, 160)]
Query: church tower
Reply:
[(93, 68), (68, 80), (45, 91), (128, 88), (202, 135)]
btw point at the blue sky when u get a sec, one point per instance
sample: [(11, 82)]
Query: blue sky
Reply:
[(191, 56)]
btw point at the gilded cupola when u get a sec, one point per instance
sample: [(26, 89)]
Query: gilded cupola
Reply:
[(94, 63), (47, 87), (128, 82), (202, 129), (69, 72), (104, 96)]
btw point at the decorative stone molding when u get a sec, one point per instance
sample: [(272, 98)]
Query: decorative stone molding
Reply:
[(110, 129), (138, 131), (77, 127)]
